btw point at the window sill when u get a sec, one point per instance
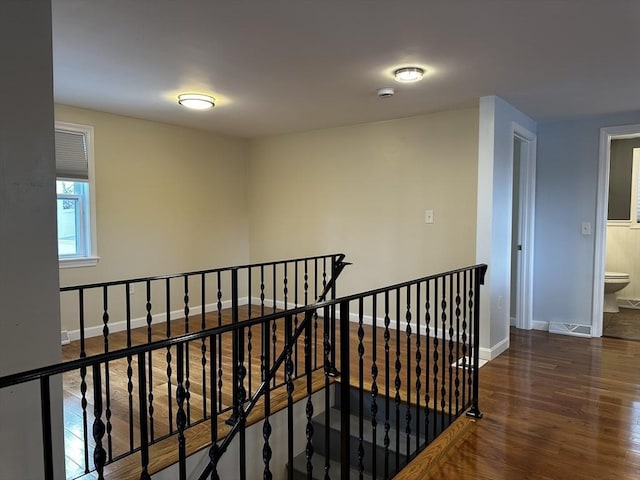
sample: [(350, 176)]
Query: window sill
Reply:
[(78, 262)]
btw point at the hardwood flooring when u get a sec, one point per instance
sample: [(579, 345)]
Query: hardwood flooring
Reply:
[(555, 407), (123, 432)]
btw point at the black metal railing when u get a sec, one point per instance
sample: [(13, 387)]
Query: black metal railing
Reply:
[(414, 370), (172, 305)]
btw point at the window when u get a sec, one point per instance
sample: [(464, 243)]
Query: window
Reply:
[(75, 195)]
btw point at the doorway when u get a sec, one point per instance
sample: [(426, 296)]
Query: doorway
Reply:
[(522, 221), (606, 135)]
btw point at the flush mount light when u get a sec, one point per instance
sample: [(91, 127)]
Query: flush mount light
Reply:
[(196, 101), (408, 74)]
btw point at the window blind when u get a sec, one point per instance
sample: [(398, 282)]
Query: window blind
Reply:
[(72, 161)]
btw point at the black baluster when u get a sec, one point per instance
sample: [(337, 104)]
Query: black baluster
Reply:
[(465, 365), (387, 384), (315, 314), (219, 308), (266, 426), (309, 406), (477, 281), (213, 451), (262, 325), (398, 380), (327, 401), (427, 336), (187, 382), (237, 350), (360, 387), (285, 286), (306, 283), (47, 443), (407, 415), (150, 360), (83, 382), (345, 398), (107, 382), (249, 334), (435, 357), (418, 366), (333, 318), (242, 396), (470, 363), (181, 416), (144, 432), (457, 381), (288, 371), (274, 326), (295, 318), (168, 355), (374, 385), (99, 454), (443, 317), (203, 347), (451, 359), (129, 367), (275, 291)]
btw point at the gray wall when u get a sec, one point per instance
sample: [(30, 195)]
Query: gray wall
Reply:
[(30, 319), (493, 238), (566, 194), (620, 174)]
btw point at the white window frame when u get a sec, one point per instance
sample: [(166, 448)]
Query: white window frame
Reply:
[(90, 257)]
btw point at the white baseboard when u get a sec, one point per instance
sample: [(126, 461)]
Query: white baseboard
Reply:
[(96, 331), (495, 351), (540, 325)]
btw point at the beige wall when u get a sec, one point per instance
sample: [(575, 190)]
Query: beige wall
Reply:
[(168, 199), (363, 190), (623, 255)]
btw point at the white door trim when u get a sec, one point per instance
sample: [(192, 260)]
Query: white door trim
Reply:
[(600, 248), (524, 307)]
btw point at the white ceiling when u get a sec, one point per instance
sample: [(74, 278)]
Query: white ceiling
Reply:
[(279, 66)]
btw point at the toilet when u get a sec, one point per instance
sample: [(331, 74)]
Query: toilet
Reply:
[(613, 282)]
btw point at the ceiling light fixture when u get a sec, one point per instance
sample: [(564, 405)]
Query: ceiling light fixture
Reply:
[(408, 74), (196, 101)]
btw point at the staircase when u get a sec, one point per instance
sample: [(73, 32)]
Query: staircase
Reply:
[(377, 461)]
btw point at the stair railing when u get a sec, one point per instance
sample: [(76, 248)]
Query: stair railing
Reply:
[(242, 409), (434, 318), (169, 305)]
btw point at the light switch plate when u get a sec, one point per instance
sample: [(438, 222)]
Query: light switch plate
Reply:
[(428, 216)]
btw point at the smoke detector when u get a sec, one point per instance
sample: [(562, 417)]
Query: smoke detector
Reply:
[(386, 92)]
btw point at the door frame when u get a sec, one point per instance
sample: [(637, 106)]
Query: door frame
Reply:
[(526, 227), (602, 203)]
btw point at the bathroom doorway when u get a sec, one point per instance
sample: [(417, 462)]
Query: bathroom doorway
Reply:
[(522, 228), (619, 226)]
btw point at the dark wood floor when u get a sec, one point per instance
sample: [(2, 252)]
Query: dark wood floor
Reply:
[(555, 407)]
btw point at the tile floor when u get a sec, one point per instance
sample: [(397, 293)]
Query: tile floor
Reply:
[(625, 324)]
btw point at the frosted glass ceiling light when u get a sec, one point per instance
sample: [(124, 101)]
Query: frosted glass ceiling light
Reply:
[(408, 74), (196, 101)]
